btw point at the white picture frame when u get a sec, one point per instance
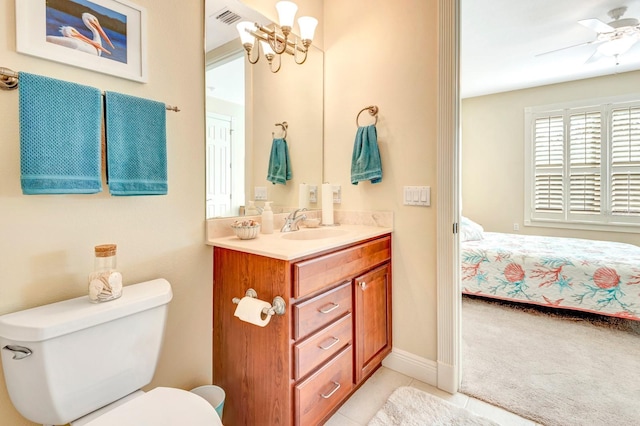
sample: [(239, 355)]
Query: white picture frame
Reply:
[(45, 29)]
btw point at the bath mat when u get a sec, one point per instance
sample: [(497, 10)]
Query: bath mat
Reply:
[(408, 406)]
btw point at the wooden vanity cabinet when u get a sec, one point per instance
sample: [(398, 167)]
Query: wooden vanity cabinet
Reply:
[(372, 300), (300, 367)]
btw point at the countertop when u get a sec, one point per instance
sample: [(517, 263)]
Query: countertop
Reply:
[(278, 246)]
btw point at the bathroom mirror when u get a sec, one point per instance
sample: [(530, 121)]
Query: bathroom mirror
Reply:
[(243, 104)]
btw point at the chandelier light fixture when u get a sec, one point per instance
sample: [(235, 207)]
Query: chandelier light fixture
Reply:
[(278, 40)]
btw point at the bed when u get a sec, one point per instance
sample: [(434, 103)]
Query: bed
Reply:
[(593, 276)]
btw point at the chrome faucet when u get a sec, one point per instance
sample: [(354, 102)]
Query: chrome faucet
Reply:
[(293, 220)]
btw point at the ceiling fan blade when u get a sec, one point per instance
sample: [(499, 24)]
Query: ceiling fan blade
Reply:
[(568, 47), (596, 25), (595, 57)]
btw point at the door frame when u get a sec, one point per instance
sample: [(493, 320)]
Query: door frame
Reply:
[(448, 207), (232, 178)]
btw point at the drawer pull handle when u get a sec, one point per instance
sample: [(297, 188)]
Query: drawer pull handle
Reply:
[(325, 310), (334, 390), (335, 340), (363, 285)]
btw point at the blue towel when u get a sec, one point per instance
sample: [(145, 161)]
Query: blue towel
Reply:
[(365, 161), (60, 136), (279, 163), (136, 137)]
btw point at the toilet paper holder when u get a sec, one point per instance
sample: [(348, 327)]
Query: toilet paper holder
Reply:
[(278, 306)]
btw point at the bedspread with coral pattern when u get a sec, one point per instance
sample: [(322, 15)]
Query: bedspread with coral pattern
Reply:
[(570, 273)]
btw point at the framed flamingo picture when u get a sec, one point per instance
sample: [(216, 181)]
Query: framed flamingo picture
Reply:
[(107, 36)]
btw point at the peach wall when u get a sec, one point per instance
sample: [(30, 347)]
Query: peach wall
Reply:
[(371, 58), (368, 62), (46, 242), (493, 152)]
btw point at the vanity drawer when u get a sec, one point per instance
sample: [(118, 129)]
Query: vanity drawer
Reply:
[(320, 393), (314, 274), (316, 313), (318, 348)]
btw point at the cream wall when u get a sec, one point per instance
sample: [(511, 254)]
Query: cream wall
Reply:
[(493, 152), (368, 62), (293, 94), (370, 59), (46, 242)]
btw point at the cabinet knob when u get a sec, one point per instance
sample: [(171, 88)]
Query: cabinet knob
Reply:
[(363, 285)]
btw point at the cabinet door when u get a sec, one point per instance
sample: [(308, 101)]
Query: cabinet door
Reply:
[(372, 295)]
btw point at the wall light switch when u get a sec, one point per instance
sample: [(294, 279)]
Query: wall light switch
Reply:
[(260, 193), (417, 195), (313, 193), (425, 195)]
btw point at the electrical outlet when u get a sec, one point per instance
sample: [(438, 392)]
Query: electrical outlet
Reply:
[(516, 226), (260, 193), (313, 193), (337, 194)]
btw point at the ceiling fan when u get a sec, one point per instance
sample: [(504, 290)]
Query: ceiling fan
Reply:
[(614, 38)]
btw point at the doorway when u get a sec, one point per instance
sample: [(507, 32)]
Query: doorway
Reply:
[(225, 124)]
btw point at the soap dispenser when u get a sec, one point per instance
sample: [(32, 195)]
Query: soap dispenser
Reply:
[(251, 209), (267, 218)]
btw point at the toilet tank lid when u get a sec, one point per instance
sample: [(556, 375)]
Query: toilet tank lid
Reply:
[(56, 319)]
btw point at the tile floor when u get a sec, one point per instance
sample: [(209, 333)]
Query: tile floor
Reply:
[(371, 396)]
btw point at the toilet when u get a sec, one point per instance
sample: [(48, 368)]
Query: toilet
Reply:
[(83, 363)]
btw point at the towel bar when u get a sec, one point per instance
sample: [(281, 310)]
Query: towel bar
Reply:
[(373, 110), (9, 81)]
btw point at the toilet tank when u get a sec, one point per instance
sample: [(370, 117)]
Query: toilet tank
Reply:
[(83, 355)]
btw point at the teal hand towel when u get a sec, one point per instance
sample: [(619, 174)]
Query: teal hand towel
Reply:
[(136, 138), (365, 161), (279, 163), (60, 136)]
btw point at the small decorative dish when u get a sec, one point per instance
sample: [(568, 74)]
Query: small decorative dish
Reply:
[(246, 229)]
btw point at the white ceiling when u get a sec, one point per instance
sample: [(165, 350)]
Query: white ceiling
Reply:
[(218, 33), (501, 38)]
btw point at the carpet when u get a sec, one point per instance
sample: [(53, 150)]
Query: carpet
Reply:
[(408, 406), (553, 367)]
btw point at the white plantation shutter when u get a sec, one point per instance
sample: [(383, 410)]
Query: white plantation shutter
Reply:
[(583, 165), (625, 194), (625, 161), (584, 162), (548, 164)]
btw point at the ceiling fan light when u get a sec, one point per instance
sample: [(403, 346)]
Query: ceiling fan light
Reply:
[(617, 46)]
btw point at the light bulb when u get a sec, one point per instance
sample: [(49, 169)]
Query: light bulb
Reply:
[(245, 36), (617, 46), (266, 48), (307, 26), (286, 13)]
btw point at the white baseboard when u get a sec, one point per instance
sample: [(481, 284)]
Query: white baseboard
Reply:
[(447, 377), (413, 366)]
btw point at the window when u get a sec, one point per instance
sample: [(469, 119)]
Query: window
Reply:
[(582, 165)]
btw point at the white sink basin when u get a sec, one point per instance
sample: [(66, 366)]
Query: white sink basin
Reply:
[(314, 234)]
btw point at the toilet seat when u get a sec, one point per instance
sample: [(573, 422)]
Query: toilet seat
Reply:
[(161, 407)]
